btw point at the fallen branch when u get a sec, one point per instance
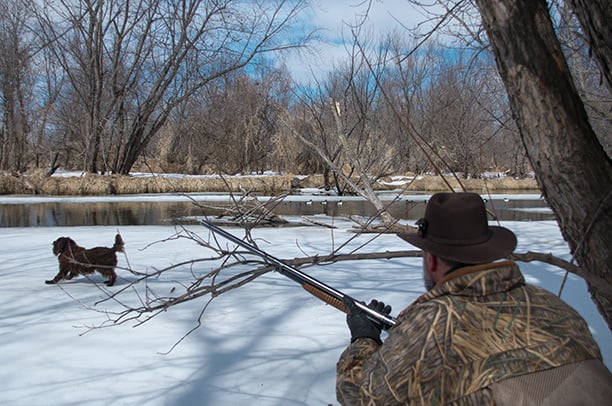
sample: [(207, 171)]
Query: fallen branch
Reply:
[(317, 223), (229, 268), (602, 284)]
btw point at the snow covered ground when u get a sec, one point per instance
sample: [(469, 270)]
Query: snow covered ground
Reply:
[(267, 343)]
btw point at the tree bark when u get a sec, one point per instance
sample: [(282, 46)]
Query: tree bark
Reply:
[(571, 166), (595, 17)]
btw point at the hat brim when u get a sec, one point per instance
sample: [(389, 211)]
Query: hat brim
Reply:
[(500, 244)]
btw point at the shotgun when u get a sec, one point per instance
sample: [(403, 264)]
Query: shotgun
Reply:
[(317, 288)]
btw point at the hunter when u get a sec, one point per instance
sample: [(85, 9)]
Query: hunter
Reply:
[(480, 335)]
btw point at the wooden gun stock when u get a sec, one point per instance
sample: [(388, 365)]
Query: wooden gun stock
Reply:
[(317, 288), (329, 299)]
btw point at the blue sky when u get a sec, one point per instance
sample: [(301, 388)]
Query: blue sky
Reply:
[(333, 17)]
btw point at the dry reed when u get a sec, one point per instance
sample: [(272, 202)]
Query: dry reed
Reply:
[(96, 185)]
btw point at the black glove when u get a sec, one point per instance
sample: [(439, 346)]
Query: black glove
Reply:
[(359, 323)]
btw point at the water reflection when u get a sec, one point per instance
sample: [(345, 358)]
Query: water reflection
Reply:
[(157, 213)]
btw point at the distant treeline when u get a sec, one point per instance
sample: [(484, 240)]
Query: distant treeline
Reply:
[(108, 89)]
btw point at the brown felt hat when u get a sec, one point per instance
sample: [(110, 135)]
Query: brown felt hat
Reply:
[(455, 227)]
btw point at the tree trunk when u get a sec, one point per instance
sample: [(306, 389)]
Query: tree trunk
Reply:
[(595, 18), (571, 166)]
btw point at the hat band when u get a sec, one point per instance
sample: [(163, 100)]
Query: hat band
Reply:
[(473, 241)]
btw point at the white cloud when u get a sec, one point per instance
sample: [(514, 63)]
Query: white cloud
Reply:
[(334, 18), (382, 15)]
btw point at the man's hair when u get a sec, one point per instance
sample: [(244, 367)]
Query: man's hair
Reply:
[(452, 264)]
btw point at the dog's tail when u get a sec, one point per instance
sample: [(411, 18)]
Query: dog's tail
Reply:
[(118, 247)]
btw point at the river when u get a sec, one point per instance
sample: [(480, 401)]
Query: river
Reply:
[(160, 209)]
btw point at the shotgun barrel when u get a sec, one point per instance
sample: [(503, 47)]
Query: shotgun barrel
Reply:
[(315, 287)]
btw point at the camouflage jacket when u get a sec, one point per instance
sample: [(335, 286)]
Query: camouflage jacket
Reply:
[(478, 326)]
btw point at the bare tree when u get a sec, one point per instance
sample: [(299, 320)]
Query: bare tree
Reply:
[(587, 76), (343, 126), (405, 87), (130, 64), (310, 121), (349, 159), (15, 85), (594, 17), (457, 120), (564, 151), (570, 164), (238, 124)]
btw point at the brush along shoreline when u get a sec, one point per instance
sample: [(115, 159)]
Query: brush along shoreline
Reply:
[(88, 184)]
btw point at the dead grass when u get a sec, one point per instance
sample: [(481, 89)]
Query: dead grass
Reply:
[(12, 185), (436, 183), (97, 185)]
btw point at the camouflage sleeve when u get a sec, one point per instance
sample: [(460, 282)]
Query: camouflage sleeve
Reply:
[(349, 370), (369, 373)]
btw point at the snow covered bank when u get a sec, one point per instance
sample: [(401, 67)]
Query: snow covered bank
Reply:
[(268, 343)]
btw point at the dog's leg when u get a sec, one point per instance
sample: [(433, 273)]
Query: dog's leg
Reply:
[(108, 271), (111, 281), (72, 269), (57, 278), (63, 272)]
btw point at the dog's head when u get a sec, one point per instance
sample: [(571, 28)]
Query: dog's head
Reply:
[(61, 244)]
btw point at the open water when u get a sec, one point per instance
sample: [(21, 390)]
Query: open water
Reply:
[(20, 211)]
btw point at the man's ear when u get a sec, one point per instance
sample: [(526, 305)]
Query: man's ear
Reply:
[(431, 262)]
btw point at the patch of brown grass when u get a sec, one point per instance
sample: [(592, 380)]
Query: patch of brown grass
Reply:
[(437, 184), (99, 185), (12, 185)]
